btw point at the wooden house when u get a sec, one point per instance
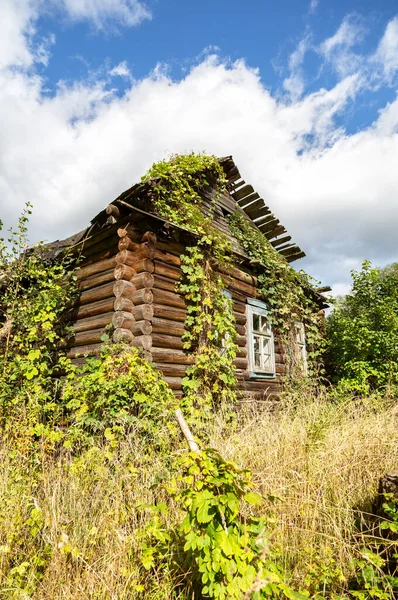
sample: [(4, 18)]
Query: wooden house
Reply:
[(131, 263)]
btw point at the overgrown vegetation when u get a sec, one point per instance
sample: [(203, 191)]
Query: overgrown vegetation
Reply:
[(100, 499), (363, 332)]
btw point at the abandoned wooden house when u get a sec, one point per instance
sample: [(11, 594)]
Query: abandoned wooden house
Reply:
[(131, 263)]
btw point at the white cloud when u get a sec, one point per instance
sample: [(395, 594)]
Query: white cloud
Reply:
[(294, 84), (313, 5), (387, 51), (102, 12), (72, 153), (337, 49), (120, 70)]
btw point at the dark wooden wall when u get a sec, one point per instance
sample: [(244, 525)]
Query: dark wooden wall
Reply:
[(128, 279)]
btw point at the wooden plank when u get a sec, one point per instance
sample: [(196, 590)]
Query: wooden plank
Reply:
[(268, 225), (278, 231), (281, 241), (248, 199), (295, 257), (246, 190)]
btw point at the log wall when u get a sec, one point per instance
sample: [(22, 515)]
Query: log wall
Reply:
[(131, 285)]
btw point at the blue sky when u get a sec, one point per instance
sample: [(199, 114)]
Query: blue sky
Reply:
[(302, 93)]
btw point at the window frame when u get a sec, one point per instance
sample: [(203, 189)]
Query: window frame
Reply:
[(256, 307), (301, 345)]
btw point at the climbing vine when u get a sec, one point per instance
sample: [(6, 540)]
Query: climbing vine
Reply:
[(288, 294), (210, 332), (178, 187)]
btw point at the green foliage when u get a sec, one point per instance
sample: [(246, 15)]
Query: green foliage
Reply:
[(115, 393), (34, 295), (288, 295), (362, 332), (178, 187)]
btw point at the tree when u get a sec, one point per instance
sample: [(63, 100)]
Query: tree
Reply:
[(362, 332)]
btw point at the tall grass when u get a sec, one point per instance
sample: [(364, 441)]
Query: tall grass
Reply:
[(70, 527)]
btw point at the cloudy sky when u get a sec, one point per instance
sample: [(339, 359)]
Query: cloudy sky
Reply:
[(302, 93)]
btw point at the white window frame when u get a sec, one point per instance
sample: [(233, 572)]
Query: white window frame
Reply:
[(301, 344), (256, 307)]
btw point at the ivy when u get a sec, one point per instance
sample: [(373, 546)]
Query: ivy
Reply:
[(210, 332), (288, 294)]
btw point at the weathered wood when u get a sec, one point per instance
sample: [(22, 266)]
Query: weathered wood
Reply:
[(142, 341), (168, 271), (281, 241), (124, 272), (149, 237), (168, 355), (123, 288), (244, 191), (122, 319), (167, 327), (142, 296), (144, 312), (235, 273), (108, 251), (167, 257), (96, 280), (123, 304), (173, 382), (125, 320), (170, 247), (123, 335), (144, 265), (84, 338), (113, 211), (275, 232), (98, 267), (93, 322), (95, 308), (172, 370), (162, 283), (90, 350), (168, 298), (129, 230), (167, 312), (143, 280), (98, 293), (186, 431), (247, 289), (167, 341), (127, 257)]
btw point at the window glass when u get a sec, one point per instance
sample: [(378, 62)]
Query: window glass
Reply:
[(260, 340)]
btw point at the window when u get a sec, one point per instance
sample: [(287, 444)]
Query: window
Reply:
[(301, 346), (261, 340)]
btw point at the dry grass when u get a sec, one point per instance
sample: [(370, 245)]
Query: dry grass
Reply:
[(322, 460)]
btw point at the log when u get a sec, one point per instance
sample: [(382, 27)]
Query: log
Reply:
[(241, 363), (129, 230), (168, 298), (90, 350), (167, 327), (126, 257), (122, 335), (142, 341), (123, 288), (168, 271), (95, 308), (98, 293), (98, 267), (167, 355), (143, 280), (144, 265), (171, 247), (166, 312), (168, 258), (113, 211), (125, 321), (122, 319), (93, 322), (123, 304), (164, 284), (142, 296), (125, 243), (124, 272), (235, 273), (108, 251), (144, 312), (96, 280), (84, 338), (172, 370), (167, 341), (150, 237), (173, 382)]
